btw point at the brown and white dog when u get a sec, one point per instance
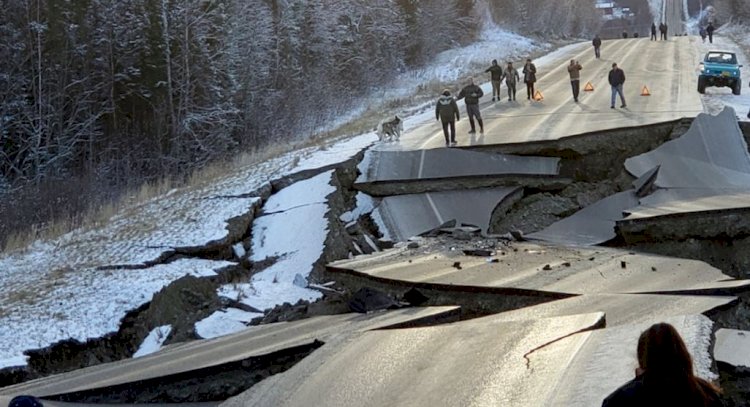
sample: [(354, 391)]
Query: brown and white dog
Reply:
[(390, 129)]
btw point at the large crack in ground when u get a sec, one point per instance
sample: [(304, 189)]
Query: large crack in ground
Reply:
[(593, 162)]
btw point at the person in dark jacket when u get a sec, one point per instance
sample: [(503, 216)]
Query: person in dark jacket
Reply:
[(653, 31), (574, 70), (616, 81), (511, 79), (597, 42), (664, 376), (710, 31), (529, 78), (471, 94), (496, 77), (446, 111), (703, 33)]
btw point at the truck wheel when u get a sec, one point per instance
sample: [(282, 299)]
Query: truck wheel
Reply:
[(701, 85), (737, 87)]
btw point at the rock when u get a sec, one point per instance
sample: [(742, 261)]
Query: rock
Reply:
[(517, 235), (415, 297), (300, 281), (457, 265), (479, 252), (547, 267), (367, 300), (412, 245)]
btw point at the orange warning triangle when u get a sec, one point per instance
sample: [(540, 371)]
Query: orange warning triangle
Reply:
[(588, 88), (538, 96), (645, 92)]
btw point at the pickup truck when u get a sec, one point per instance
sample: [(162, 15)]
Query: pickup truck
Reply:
[(720, 68)]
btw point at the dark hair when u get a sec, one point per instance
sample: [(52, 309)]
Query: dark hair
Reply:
[(668, 368)]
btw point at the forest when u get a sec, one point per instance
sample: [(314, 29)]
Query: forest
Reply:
[(99, 96)]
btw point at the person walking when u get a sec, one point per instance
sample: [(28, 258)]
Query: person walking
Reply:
[(529, 78), (496, 77), (446, 110), (597, 42), (653, 31), (511, 79), (616, 81), (471, 94), (703, 33), (574, 69), (710, 31), (664, 376)]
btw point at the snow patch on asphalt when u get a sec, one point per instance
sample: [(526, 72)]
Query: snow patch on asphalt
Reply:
[(224, 322), (153, 341)]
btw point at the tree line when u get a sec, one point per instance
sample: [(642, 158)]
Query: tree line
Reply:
[(113, 93)]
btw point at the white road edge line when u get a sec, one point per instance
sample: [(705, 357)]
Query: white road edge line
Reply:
[(421, 163), (434, 208)]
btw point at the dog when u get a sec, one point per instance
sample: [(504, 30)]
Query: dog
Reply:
[(390, 129)]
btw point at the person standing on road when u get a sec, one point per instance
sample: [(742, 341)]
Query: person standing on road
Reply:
[(529, 78), (663, 31), (496, 77), (471, 94), (511, 79), (703, 33), (710, 31), (574, 69), (653, 31), (597, 46), (616, 81), (446, 111)]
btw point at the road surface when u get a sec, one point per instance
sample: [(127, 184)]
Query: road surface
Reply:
[(667, 68)]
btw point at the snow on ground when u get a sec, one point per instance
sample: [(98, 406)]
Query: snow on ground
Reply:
[(364, 204), (293, 228), (153, 341), (715, 99), (79, 303), (456, 65), (224, 322), (56, 289)]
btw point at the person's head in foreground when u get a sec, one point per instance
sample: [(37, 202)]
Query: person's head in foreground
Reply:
[(664, 376), (25, 401)]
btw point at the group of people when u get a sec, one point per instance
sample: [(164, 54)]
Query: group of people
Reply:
[(446, 109), (662, 31)]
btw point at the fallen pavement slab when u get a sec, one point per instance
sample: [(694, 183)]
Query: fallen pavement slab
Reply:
[(192, 356), (733, 347), (477, 362), (405, 216), (546, 268), (386, 173)]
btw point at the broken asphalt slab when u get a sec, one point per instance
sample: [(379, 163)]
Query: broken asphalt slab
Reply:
[(405, 216), (475, 362), (550, 269), (711, 155), (733, 347), (386, 173), (704, 181), (560, 361), (193, 356)]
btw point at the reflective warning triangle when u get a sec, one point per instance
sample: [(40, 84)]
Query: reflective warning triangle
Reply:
[(645, 91), (589, 87), (538, 96)]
